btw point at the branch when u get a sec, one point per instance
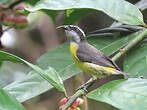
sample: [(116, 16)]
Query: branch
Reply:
[(77, 94), (130, 45), (72, 99)]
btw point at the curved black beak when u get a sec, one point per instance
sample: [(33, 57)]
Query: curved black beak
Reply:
[(62, 27)]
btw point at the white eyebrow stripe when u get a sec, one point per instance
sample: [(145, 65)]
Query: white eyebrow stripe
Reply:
[(79, 29)]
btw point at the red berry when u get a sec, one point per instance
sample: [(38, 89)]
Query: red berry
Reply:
[(20, 7), (63, 101), (20, 21), (69, 108), (21, 10), (60, 108), (74, 108), (9, 20), (78, 102)]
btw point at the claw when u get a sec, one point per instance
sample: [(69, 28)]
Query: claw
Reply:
[(83, 87), (87, 84)]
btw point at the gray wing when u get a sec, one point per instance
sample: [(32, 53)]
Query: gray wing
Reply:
[(88, 53)]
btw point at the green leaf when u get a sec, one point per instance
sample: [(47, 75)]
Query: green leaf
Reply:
[(123, 94), (69, 11), (8, 102), (52, 14), (10, 72), (142, 4), (30, 86), (49, 77), (73, 15), (118, 44), (33, 85), (77, 15), (32, 2), (63, 64), (120, 10), (136, 61), (7, 1)]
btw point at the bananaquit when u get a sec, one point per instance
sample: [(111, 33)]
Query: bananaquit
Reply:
[(88, 58)]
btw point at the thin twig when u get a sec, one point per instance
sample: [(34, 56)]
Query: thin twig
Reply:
[(132, 43), (72, 99), (76, 95)]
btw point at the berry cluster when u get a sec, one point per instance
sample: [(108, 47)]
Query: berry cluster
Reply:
[(74, 106), (14, 18)]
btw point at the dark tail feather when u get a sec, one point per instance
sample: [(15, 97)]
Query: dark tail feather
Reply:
[(126, 76), (122, 74)]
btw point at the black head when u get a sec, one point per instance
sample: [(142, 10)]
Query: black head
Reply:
[(74, 33)]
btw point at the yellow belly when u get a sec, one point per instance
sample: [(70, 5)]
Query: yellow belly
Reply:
[(73, 49), (89, 68)]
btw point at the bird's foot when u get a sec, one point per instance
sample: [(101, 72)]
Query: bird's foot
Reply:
[(87, 84), (83, 87)]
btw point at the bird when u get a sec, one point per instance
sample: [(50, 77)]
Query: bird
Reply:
[(88, 58)]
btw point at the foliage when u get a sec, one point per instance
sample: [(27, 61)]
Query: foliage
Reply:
[(57, 65), (123, 94), (8, 102), (123, 11), (135, 60)]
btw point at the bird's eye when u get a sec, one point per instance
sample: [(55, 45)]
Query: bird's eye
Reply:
[(68, 28)]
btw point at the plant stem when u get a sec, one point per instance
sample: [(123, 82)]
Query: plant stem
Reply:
[(72, 99), (130, 45)]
